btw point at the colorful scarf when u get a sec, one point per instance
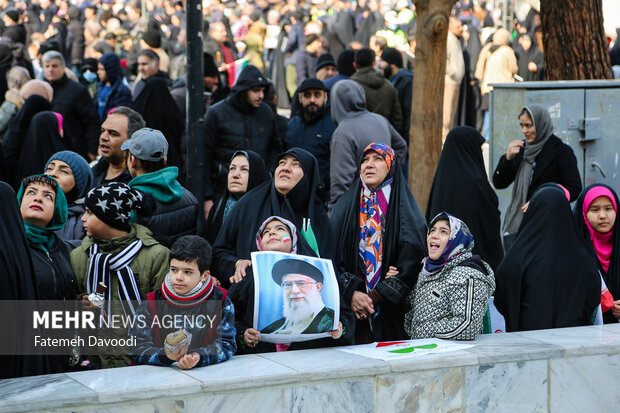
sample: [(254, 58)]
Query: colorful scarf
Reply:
[(201, 292), (603, 243), (461, 241), (373, 211)]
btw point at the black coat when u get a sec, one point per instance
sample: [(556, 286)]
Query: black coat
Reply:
[(460, 176), (556, 163), (53, 272), (14, 137), (16, 32), (233, 125), (18, 283), (404, 247), (81, 124), (169, 222), (547, 279), (100, 170)]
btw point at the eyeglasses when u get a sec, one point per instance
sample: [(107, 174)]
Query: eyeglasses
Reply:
[(300, 284)]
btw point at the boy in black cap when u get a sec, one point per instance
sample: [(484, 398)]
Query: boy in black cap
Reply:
[(326, 67), (124, 256)]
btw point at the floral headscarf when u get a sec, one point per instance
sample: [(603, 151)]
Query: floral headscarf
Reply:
[(373, 210), (461, 241)]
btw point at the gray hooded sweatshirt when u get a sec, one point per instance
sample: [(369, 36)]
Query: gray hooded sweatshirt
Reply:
[(357, 128)]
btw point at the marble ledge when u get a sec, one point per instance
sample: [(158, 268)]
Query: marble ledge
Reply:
[(578, 341)]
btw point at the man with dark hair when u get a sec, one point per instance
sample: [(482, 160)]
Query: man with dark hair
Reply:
[(302, 305), (392, 65), (118, 126), (241, 121), (381, 96), (311, 128), (345, 68), (148, 67), (74, 103), (171, 211), (211, 80)]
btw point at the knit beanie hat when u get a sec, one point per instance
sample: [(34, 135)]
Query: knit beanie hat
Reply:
[(324, 60), (82, 174), (113, 202), (13, 14), (393, 57), (345, 62), (152, 38)]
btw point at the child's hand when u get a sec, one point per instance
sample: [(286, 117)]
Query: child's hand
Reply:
[(178, 353), (189, 361), (336, 334)]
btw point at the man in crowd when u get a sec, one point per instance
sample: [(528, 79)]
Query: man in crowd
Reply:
[(311, 128), (455, 70), (171, 211), (241, 121), (148, 66), (118, 126), (218, 46), (73, 102), (402, 79), (381, 96), (326, 67)]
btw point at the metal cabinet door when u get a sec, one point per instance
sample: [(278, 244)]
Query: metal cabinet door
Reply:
[(567, 108), (601, 136)]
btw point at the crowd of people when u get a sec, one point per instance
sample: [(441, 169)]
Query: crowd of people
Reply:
[(93, 163)]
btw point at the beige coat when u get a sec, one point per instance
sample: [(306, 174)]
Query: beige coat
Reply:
[(496, 67)]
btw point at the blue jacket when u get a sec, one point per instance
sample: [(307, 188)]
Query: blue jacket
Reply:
[(314, 137), (403, 83), (120, 95)]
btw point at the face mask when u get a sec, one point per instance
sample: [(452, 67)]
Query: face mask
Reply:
[(89, 76)]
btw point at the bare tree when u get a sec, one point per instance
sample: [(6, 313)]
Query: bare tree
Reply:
[(574, 40), (428, 88)]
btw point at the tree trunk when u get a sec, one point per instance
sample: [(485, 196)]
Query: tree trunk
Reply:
[(574, 40), (427, 99)]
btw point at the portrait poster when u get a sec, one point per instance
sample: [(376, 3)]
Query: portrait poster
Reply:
[(296, 297)]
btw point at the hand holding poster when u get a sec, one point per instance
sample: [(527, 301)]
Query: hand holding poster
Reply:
[(296, 297)]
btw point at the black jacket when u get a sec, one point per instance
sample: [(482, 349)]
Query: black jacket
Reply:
[(100, 170), (16, 32), (53, 272), (232, 125), (81, 124), (556, 163), (169, 222)]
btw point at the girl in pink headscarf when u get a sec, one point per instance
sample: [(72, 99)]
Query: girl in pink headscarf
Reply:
[(595, 213)]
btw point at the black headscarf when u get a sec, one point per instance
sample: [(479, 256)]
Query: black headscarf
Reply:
[(14, 137), (41, 141), (547, 279), (524, 57), (160, 112), (258, 175), (18, 283), (236, 239), (460, 176), (612, 276), (404, 246)]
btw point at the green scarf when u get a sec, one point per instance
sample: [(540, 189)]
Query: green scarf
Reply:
[(162, 184), (44, 237)]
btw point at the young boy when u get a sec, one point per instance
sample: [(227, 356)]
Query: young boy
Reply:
[(124, 256), (187, 296)]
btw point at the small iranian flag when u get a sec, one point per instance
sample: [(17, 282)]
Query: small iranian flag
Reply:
[(234, 70)]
